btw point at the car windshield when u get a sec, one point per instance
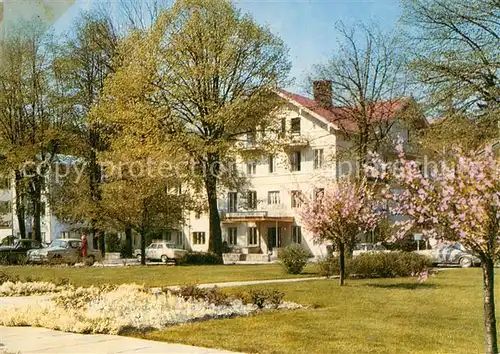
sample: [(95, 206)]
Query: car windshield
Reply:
[(58, 243)]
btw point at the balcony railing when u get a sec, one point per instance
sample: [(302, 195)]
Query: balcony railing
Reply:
[(246, 214)]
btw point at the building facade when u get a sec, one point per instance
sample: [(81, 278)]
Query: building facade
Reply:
[(263, 218)]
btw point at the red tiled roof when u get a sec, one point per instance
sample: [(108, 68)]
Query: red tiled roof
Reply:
[(343, 116)]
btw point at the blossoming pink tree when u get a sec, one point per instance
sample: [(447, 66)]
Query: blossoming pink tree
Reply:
[(340, 213), (461, 196)]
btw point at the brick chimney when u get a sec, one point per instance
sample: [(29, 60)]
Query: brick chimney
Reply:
[(322, 91)]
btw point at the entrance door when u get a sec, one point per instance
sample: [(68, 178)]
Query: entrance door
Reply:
[(273, 237)]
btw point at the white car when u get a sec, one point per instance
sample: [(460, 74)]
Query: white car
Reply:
[(163, 251), (451, 255), (369, 248)]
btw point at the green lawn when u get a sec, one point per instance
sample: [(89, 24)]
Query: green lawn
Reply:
[(443, 315), (156, 275)]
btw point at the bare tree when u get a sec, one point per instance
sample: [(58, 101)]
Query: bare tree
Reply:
[(368, 78), (455, 50)]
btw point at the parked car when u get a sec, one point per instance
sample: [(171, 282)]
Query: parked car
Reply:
[(17, 253), (452, 255), (163, 251), (361, 248), (368, 248), (62, 251)]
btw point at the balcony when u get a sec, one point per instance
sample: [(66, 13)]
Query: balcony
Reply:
[(295, 140), (246, 214), (256, 216)]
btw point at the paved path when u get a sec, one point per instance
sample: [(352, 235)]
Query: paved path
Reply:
[(41, 340), (254, 282)]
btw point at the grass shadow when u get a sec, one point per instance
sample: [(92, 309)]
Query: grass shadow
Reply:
[(404, 286)]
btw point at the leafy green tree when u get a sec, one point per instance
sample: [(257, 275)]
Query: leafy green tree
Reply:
[(204, 76), (85, 62), (32, 116)]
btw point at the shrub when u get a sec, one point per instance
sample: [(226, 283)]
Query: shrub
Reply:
[(263, 297), (123, 251), (113, 243), (192, 292), (329, 266), (375, 265), (200, 258), (244, 296), (4, 277), (294, 258)]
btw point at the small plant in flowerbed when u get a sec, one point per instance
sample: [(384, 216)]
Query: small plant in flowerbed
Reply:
[(261, 298), (294, 258), (13, 285), (378, 265), (212, 295)]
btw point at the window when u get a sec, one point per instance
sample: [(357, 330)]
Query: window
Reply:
[(273, 197), (296, 199), (318, 159), (272, 165), (283, 126), (251, 200), (75, 244), (65, 234), (253, 237), (232, 201), (252, 136), (198, 238), (160, 246), (4, 183), (295, 161), (295, 126), (318, 193), (232, 238), (5, 207), (197, 215), (296, 234), (251, 168), (168, 236)]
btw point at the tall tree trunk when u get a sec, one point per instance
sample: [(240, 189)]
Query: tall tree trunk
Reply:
[(102, 242), (95, 190), (490, 323), (211, 171), (143, 246), (20, 204), (128, 240), (36, 200), (341, 263)]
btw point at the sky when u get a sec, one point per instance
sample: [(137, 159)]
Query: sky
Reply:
[(306, 26)]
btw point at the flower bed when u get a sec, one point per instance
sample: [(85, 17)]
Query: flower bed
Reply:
[(18, 288), (113, 310)]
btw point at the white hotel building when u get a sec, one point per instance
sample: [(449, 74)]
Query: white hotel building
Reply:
[(263, 219)]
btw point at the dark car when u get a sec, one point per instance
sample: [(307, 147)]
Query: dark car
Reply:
[(16, 254)]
